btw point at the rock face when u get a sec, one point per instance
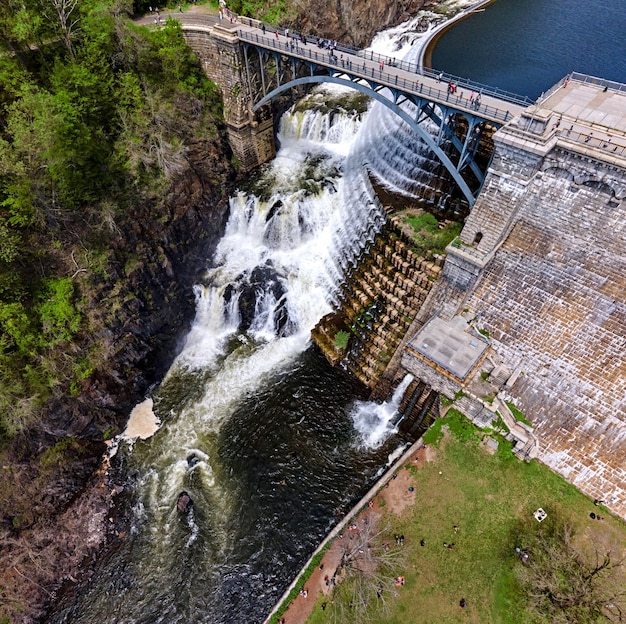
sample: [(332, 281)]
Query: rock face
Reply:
[(54, 506), (355, 22)]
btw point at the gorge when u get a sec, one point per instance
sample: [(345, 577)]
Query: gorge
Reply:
[(298, 413)]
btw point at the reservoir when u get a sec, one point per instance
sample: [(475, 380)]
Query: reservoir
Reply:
[(526, 47)]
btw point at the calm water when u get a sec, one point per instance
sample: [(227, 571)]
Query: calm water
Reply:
[(525, 46)]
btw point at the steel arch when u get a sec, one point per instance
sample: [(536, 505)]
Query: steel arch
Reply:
[(395, 107)]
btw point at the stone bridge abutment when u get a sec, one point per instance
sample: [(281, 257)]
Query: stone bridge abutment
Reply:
[(221, 53)]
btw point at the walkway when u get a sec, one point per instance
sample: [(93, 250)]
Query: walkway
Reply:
[(592, 113), (496, 106)]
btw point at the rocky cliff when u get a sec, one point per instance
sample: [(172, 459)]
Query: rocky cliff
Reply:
[(140, 303), (355, 22)]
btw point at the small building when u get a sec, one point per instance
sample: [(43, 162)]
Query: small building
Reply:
[(445, 354)]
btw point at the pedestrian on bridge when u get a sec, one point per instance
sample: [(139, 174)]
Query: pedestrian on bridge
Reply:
[(263, 27)]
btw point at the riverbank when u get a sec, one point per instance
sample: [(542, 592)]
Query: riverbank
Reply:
[(390, 491), (463, 505), (56, 493)]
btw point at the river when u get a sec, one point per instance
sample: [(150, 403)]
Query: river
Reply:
[(526, 47), (271, 443)]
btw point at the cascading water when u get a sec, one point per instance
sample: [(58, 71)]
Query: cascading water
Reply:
[(252, 422), (407, 165), (264, 436)]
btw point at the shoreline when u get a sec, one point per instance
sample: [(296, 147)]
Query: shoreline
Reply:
[(425, 56), (340, 526)]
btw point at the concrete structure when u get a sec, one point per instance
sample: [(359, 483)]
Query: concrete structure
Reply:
[(455, 349), (540, 267)]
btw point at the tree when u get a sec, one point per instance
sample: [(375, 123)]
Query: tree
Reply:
[(564, 583), (367, 576)]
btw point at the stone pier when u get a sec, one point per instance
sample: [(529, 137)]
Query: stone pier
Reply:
[(251, 135)]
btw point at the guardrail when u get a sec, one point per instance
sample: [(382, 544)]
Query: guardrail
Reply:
[(384, 76), (389, 61), (609, 84), (605, 143)]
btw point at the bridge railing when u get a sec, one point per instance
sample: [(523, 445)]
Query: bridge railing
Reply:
[(609, 84), (459, 81), (605, 142), (389, 61), (385, 77)]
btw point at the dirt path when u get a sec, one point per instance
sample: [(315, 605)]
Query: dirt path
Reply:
[(396, 495)]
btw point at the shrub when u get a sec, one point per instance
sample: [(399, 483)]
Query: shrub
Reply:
[(341, 340)]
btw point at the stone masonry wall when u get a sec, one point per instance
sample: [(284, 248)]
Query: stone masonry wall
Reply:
[(251, 136), (554, 303)]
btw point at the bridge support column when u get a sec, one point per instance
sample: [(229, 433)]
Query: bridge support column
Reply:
[(252, 143), (251, 135)]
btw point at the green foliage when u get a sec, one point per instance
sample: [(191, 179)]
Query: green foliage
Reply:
[(456, 422), (58, 317), (56, 454), (83, 370), (313, 564), (519, 416), (500, 425), (341, 340), (484, 375), (91, 125), (428, 237), (272, 12), (484, 332)]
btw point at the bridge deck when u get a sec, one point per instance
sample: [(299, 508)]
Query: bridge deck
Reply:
[(366, 64), (358, 64)]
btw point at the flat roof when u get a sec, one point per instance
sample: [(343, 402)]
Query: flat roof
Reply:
[(453, 345)]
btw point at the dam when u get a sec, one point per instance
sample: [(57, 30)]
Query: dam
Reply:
[(537, 277), (536, 274)]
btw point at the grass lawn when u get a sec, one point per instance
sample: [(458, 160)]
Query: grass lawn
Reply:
[(486, 496)]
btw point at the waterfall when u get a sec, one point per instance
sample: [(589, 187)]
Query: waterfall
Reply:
[(376, 422), (265, 437)]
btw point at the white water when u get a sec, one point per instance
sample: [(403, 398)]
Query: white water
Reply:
[(376, 422), (394, 154), (312, 215), (308, 243)]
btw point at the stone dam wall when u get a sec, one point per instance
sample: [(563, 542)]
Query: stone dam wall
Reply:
[(553, 302), (540, 267)]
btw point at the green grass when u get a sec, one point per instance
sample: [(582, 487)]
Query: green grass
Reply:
[(315, 561), (428, 237), (519, 416), (486, 496)]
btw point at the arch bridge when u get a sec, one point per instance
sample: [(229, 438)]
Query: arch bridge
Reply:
[(270, 63)]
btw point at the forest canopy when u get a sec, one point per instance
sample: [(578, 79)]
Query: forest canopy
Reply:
[(95, 113)]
